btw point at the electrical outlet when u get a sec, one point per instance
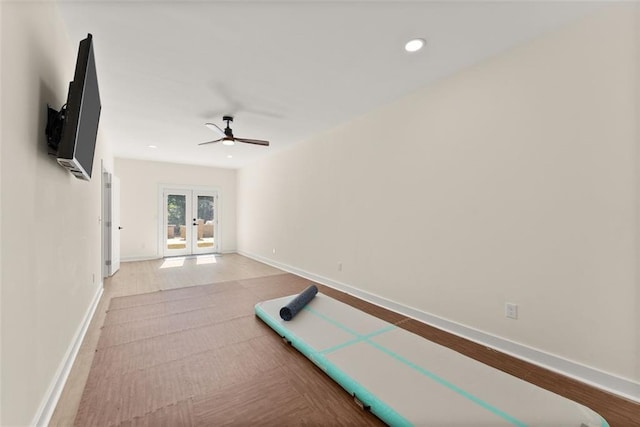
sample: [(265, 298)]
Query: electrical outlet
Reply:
[(511, 310), (339, 266), (274, 250)]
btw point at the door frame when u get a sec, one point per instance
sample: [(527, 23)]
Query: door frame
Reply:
[(160, 218)]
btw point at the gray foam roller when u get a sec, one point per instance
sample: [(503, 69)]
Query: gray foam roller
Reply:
[(289, 311)]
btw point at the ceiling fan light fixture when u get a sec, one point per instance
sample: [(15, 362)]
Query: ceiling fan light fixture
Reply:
[(414, 45), (226, 135)]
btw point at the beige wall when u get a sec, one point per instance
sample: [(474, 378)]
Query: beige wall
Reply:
[(514, 180), (50, 246), (139, 213)]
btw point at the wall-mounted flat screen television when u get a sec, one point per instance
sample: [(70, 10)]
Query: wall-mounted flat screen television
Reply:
[(72, 131)]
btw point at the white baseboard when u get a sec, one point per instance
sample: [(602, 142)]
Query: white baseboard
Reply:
[(612, 383), (50, 400)]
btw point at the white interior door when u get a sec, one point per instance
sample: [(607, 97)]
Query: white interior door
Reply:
[(115, 225), (111, 223)]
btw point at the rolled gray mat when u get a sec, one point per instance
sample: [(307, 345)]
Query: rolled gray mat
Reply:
[(289, 311)]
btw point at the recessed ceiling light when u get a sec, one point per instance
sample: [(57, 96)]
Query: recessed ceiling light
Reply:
[(414, 45), (229, 156), (152, 146)]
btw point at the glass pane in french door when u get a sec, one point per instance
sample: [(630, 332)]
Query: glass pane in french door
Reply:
[(176, 222), (205, 220)]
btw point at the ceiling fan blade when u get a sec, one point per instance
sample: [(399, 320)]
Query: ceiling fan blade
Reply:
[(211, 142), (215, 128), (253, 141)]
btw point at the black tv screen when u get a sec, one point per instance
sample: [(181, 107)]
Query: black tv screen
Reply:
[(80, 129)]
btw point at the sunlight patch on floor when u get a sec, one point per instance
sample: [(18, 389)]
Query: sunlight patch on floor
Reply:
[(173, 262), (206, 259)]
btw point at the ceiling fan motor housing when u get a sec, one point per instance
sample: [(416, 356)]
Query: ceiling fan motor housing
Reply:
[(227, 131)]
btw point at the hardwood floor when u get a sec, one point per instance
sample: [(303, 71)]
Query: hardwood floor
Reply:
[(142, 277), (295, 387)]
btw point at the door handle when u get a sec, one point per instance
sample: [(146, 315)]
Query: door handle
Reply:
[(119, 228)]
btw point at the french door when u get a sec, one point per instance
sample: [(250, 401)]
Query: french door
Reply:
[(190, 222)]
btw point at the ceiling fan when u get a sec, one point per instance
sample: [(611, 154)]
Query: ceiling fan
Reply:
[(227, 135)]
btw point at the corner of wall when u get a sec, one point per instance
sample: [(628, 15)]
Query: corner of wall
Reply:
[(1, 38)]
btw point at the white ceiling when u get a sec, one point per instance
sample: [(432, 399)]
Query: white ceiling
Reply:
[(285, 70)]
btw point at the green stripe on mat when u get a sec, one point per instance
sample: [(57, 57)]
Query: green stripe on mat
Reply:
[(360, 338), (330, 320), (425, 372), (449, 385), (379, 408)]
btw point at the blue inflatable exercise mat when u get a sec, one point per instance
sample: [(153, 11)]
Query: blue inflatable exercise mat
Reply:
[(405, 379)]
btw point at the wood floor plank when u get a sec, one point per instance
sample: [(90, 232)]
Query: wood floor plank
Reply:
[(178, 414), (116, 398), (188, 299), (266, 399), (141, 354), (160, 296), (121, 333)]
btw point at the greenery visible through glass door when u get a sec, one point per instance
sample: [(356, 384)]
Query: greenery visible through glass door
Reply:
[(205, 207), (176, 207)]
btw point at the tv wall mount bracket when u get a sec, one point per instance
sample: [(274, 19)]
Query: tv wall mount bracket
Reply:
[(55, 123)]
